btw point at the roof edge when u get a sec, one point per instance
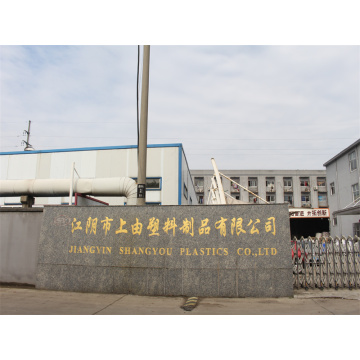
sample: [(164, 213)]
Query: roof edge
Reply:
[(341, 153), (88, 149)]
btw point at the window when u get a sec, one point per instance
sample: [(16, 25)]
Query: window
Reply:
[(355, 191), (334, 221), (332, 188), (304, 182), (287, 182), (252, 199), (153, 183), (199, 184), (352, 161), (288, 198), (321, 181), (252, 182), (235, 187), (201, 199), (305, 200), (322, 200), (270, 198), (270, 184)]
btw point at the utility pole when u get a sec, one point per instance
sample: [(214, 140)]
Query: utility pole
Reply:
[(141, 192), (28, 147)]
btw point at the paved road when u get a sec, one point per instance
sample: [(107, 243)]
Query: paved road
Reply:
[(30, 301)]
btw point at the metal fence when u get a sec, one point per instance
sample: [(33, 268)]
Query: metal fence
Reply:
[(326, 263)]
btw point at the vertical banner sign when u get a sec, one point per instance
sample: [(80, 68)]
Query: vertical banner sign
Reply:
[(220, 250), (141, 191)]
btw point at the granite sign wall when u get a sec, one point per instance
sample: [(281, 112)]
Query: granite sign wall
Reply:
[(221, 250)]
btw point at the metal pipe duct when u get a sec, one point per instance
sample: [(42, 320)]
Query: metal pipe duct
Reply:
[(61, 187)]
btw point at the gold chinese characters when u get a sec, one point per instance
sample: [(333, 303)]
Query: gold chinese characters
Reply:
[(153, 227)]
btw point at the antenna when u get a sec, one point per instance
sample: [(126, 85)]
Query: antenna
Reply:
[(28, 147)]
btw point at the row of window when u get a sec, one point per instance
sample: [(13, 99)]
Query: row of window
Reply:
[(288, 199), (305, 198), (269, 181)]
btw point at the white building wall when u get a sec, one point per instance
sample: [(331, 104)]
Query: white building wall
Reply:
[(162, 162), (261, 176)]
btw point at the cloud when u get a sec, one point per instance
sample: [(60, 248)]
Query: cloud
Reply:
[(258, 107)]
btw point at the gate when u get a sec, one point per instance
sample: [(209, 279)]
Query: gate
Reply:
[(326, 263)]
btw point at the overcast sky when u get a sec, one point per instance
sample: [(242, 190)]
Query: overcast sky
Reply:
[(249, 107)]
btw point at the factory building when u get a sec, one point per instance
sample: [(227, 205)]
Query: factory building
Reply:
[(168, 178)]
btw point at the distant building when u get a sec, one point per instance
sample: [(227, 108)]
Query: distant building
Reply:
[(168, 178), (343, 174), (304, 190)]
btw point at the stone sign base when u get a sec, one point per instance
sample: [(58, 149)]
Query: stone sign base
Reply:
[(208, 251)]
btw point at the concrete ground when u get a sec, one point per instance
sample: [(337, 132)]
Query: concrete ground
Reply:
[(30, 301)]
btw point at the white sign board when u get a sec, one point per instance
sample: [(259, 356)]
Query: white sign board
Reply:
[(309, 213)]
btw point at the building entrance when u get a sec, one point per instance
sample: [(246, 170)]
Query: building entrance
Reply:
[(308, 227)]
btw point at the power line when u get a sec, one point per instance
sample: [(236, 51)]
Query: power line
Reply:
[(183, 138)]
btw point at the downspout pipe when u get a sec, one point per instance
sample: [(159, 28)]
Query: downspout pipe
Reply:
[(123, 186)]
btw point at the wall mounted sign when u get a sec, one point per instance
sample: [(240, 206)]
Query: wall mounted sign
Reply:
[(220, 250)]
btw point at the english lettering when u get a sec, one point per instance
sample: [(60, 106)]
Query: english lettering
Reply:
[(259, 252), (202, 252), (142, 251), (86, 249)]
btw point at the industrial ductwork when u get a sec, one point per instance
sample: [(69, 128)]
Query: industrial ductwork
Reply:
[(61, 187)]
